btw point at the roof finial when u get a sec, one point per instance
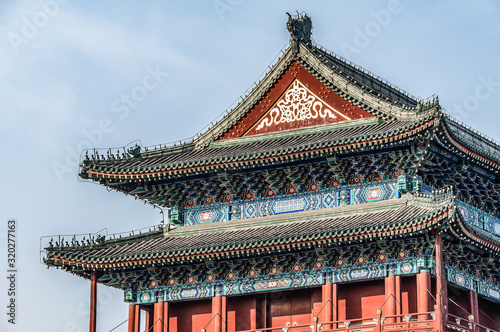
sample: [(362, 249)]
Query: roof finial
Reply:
[(300, 27)]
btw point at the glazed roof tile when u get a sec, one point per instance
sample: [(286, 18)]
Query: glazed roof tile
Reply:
[(473, 140), (256, 147), (363, 77), (356, 221)]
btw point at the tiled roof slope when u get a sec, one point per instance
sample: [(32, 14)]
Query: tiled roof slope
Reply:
[(473, 140), (258, 148), (349, 223), (377, 86)]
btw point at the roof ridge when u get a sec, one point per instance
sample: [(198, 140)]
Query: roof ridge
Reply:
[(358, 90), (337, 57), (472, 130)]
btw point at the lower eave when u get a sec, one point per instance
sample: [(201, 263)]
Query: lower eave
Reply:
[(427, 221), (471, 233)]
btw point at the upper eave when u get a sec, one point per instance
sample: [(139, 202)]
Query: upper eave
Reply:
[(354, 223), (403, 115), (471, 143), (260, 151)]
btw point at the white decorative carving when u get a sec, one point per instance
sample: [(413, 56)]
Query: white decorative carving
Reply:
[(298, 104)]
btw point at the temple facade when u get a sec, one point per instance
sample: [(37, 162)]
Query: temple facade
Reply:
[(327, 200)]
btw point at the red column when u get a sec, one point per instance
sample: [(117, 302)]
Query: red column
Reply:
[(146, 321), (440, 286), (335, 315), (253, 317), (445, 302), (327, 313), (224, 313), (131, 317), (137, 320), (166, 307), (158, 317), (423, 295), (390, 296), (219, 313), (473, 305), (329, 299), (216, 308), (93, 302), (398, 297)]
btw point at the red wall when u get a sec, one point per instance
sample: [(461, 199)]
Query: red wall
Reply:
[(355, 301), (241, 311), (273, 309), (408, 295), (317, 301), (458, 305), (457, 299), (190, 315), (489, 314), (360, 299)]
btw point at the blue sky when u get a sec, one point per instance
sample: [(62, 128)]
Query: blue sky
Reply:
[(65, 67)]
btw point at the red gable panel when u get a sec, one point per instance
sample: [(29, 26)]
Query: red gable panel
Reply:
[(296, 100)]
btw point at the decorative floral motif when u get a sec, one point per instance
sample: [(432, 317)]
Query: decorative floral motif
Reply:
[(270, 284), (289, 205), (374, 193), (145, 297), (460, 279), (206, 216), (298, 104), (407, 267)]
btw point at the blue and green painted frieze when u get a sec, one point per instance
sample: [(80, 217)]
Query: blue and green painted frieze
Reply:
[(240, 286), (315, 200), (478, 218), (304, 279)]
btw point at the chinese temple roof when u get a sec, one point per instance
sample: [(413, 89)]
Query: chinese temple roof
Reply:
[(311, 105), (267, 234), (395, 221), (259, 150), (322, 165)]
